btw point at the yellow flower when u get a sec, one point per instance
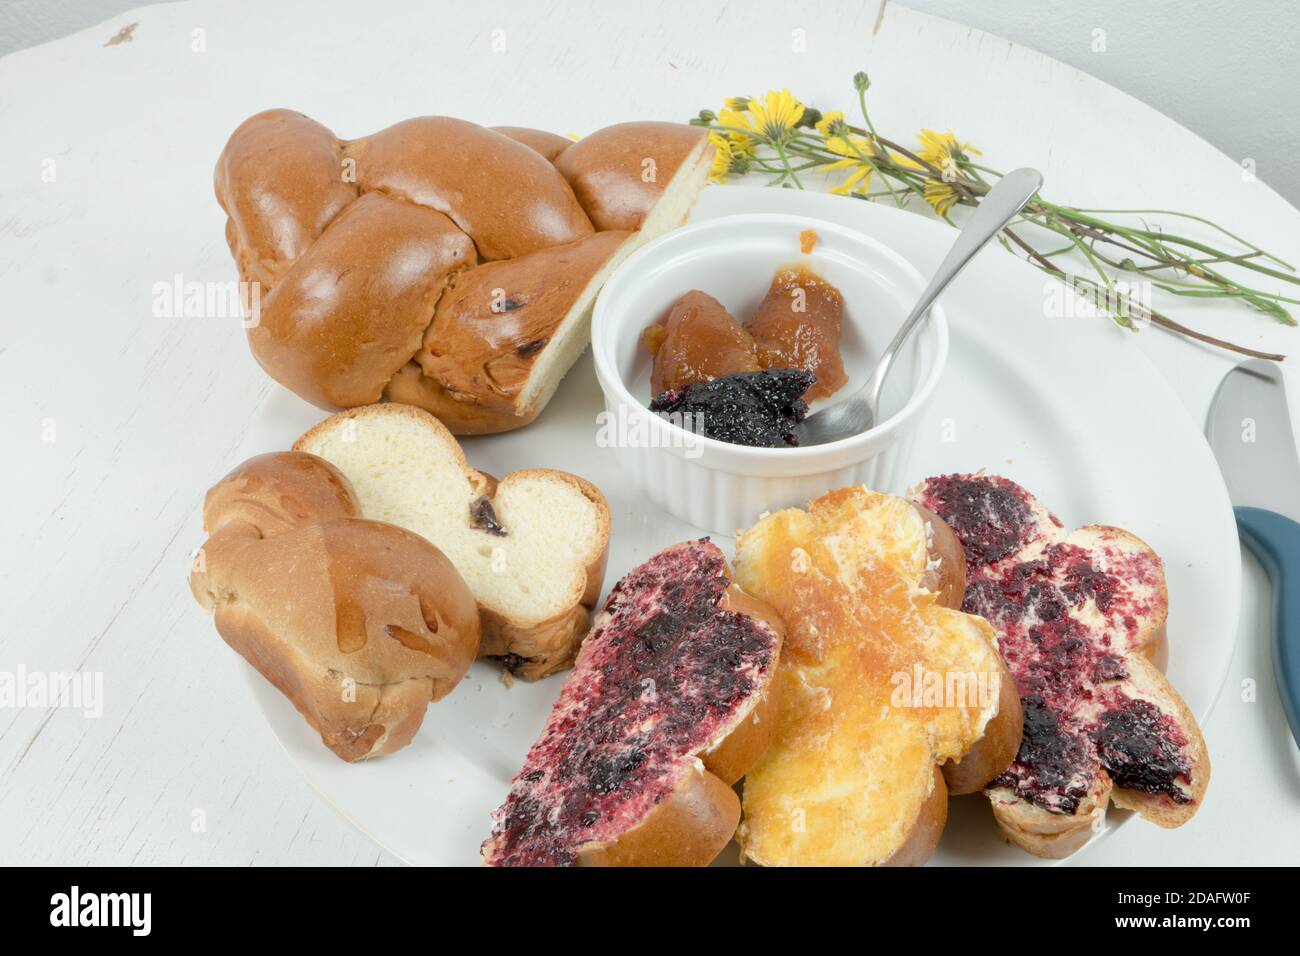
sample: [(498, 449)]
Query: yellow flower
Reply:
[(721, 158), (771, 119), (853, 149), (942, 149), (905, 161), (941, 195), (827, 121), (777, 115), (850, 147), (740, 133), (737, 103), (859, 180)]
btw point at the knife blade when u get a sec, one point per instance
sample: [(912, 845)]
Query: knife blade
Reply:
[(1250, 432)]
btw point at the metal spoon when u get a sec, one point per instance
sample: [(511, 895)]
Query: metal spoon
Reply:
[(861, 411)]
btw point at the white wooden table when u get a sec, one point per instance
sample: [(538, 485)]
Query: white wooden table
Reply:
[(115, 419)]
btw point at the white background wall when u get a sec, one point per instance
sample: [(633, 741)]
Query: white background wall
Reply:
[(1229, 70), (1226, 69)]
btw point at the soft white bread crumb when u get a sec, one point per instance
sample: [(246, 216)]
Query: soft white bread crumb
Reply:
[(408, 470)]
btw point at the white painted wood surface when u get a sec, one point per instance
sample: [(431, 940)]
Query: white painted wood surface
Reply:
[(145, 412)]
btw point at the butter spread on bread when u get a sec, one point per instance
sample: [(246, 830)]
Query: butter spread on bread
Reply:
[(890, 696), (360, 624), (531, 546), (1080, 617), (354, 245), (668, 704)]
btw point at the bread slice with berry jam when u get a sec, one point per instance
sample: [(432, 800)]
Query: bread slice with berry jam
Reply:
[(1080, 618), (670, 702)]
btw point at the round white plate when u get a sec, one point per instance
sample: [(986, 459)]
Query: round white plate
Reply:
[(1066, 406)]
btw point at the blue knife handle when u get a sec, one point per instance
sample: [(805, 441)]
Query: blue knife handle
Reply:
[(1275, 540)]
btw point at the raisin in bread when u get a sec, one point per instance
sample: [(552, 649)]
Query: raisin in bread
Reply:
[(890, 697), (531, 546), (669, 704), (1080, 617)]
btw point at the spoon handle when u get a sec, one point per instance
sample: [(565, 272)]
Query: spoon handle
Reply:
[(1007, 197)]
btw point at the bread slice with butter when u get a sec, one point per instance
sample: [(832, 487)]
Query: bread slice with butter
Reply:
[(890, 697), (532, 546)]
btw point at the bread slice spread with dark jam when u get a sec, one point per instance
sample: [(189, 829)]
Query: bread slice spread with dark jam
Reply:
[(667, 706), (1080, 618)]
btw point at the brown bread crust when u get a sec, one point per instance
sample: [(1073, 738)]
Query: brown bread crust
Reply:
[(689, 828), (352, 311), (353, 243), (492, 321), (924, 834), (619, 172), (280, 182), (360, 624), (410, 386), (692, 825), (507, 197), (550, 145), (537, 648), (731, 757)]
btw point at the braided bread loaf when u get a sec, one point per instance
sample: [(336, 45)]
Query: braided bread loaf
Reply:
[(437, 262), (359, 623)]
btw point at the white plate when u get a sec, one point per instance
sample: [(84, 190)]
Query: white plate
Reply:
[(1068, 407)]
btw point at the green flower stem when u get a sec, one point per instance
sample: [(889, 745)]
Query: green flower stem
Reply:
[(1150, 315), (1199, 262), (1226, 288), (1163, 238), (866, 116), (780, 149), (1201, 219)]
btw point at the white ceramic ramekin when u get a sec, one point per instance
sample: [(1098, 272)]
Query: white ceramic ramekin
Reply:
[(721, 487)]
